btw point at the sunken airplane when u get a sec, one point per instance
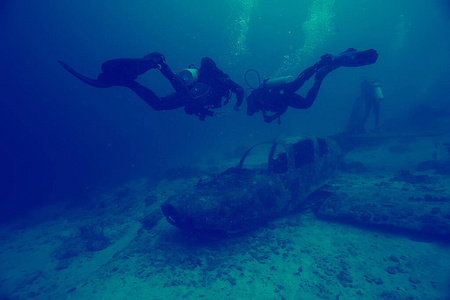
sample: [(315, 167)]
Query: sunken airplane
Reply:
[(241, 199)]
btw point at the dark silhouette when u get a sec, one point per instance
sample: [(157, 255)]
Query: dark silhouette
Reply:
[(369, 100), (197, 90), (372, 95), (277, 95)]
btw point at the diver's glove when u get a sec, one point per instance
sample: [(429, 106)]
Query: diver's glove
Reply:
[(220, 114)]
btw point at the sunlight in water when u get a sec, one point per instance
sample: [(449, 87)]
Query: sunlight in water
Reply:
[(317, 29), (401, 32), (240, 26)]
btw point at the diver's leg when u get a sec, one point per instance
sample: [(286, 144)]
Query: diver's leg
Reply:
[(376, 110), (356, 116), (123, 70), (312, 94), (157, 103), (301, 102), (297, 101), (324, 71), (304, 76), (118, 72), (329, 62), (176, 82), (366, 113), (127, 67)]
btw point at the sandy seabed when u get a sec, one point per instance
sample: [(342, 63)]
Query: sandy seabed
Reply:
[(296, 257)]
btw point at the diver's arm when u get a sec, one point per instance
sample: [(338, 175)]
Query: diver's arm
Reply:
[(278, 112), (199, 111), (269, 119), (203, 112), (238, 90)]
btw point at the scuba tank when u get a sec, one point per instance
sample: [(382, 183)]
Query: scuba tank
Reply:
[(273, 83), (199, 89), (377, 91), (189, 76)]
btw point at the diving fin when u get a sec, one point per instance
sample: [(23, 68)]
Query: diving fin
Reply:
[(354, 58), (90, 81)]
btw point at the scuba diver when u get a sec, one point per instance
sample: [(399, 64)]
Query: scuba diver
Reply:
[(277, 94), (370, 99), (197, 90), (373, 96)]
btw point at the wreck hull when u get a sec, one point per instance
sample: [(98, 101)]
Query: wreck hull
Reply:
[(241, 199)]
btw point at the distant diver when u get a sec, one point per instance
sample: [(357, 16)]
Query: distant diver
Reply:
[(369, 100), (372, 94), (277, 94), (198, 90)]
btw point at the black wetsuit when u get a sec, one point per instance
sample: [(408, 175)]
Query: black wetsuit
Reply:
[(199, 99), (277, 100), (372, 103), (205, 94)]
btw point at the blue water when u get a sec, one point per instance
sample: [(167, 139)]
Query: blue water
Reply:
[(62, 139)]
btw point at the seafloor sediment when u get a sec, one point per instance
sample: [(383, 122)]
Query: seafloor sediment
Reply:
[(378, 232)]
